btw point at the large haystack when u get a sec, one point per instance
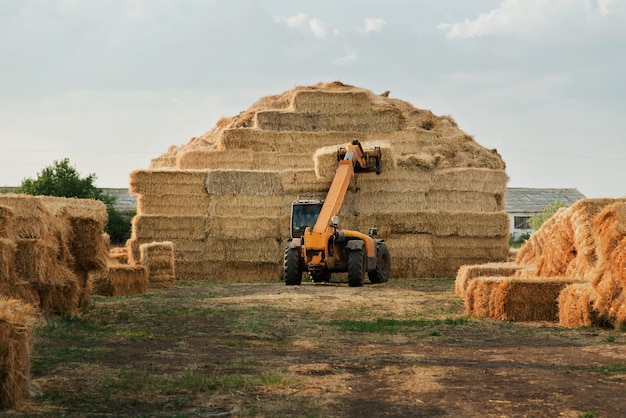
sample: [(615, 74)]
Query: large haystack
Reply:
[(583, 245), (224, 198)]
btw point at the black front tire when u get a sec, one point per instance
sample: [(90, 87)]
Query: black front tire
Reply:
[(383, 264), (356, 268), (292, 273)]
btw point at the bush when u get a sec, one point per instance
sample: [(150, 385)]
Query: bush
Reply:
[(62, 180)]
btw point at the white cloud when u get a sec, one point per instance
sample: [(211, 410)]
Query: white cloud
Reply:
[(521, 17), (373, 24), (603, 6), (304, 23)]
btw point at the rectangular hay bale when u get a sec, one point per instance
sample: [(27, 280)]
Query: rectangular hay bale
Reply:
[(158, 259)]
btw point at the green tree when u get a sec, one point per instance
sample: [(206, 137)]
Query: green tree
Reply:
[(536, 221), (61, 179)]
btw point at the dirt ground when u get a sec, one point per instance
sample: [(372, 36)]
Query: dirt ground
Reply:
[(399, 349)]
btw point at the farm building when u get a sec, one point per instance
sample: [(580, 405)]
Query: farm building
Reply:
[(523, 203), (223, 199)]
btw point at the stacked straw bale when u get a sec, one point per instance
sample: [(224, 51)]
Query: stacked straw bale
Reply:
[(16, 320), (120, 280), (49, 247), (158, 259), (575, 263), (236, 182)]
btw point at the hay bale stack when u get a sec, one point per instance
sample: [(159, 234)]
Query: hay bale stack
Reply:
[(259, 161), (169, 192), (119, 255), (576, 306), (579, 255), (121, 280), (6, 222), (515, 299), (16, 319), (609, 278), (158, 259), (56, 242), (468, 272)]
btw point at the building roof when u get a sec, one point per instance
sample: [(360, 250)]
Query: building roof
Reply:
[(520, 199)]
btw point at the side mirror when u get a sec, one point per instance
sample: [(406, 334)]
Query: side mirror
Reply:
[(335, 220), (373, 232)]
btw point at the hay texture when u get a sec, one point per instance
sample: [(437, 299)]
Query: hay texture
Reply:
[(515, 299), (158, 259), (238, 181), (468, 272), (16, 320), (50, 244), (579, 254), (121, 280)]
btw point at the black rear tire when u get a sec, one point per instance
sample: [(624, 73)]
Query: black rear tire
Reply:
[(356, 268), (292, 273), (383, 264)]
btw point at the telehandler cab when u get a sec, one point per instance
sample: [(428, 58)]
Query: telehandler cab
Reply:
[(318, 246)]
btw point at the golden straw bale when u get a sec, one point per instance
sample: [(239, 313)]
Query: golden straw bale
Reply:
[(479, 300), (86, 286), (394, 180), (20, 289), (373, 201), (294, 142), (469, 201), (529, 299), (121, 280), (459, 224), (32, 219), (262, 250), (555, 233), (8, 249), (582, 214), (89, 249), (470, 179), (314, 101), (173, 204), (245, 205), (215, 159), (158, 259), (468, 272), (300, 182), (373, 121), (489, 249), (175, 182), (119, 255), (243, 159), (168, 227), (6, 222), (61, 292), (243, 271), (411, 255), (575, 304), (192, 270), (16, 323), (260, 183), (249, 227), (609, 227)]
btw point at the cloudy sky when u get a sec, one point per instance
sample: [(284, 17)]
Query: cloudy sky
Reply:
[(111, 84)]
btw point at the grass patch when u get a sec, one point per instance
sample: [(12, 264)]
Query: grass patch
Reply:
[(394, 326)]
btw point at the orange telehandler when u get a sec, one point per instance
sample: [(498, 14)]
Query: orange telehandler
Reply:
[(318, 246)]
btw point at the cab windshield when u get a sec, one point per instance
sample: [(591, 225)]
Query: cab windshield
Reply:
[(303, 215)]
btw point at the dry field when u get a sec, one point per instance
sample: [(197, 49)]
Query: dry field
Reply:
[(400, 349)]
